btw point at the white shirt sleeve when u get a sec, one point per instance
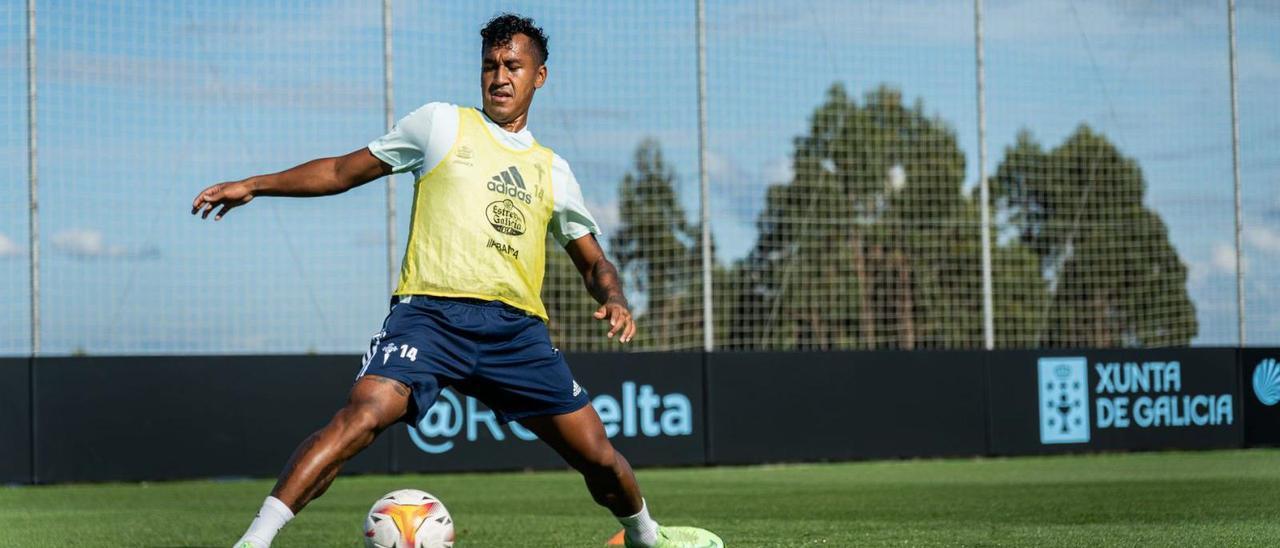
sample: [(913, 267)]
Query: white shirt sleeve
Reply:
[(420, 140), (570, 219)]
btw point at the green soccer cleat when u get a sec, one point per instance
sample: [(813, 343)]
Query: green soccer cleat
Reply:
[(675, 537)]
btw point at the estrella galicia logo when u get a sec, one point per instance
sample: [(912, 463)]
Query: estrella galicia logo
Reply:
[(509, 182), (505, 217), (1266, 381), (1064, 400)]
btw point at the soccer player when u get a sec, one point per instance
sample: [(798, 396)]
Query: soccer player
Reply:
[(467, 311)]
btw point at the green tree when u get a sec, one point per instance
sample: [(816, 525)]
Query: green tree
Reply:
[(1112, 276), (570, 306), (873, 243), (657, 250), (835, 264)]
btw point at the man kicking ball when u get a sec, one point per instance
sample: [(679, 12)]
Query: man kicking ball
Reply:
[(467, 311)]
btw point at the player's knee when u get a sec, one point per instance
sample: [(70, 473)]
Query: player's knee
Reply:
[(599, 458), (356, 421)]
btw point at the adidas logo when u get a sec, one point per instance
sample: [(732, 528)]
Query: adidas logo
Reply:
[(508, 182)]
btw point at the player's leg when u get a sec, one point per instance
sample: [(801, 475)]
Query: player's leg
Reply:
[(522, 377), (374, 404), (580, 439)]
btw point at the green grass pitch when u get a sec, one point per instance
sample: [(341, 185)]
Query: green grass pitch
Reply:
[(1219, 498)]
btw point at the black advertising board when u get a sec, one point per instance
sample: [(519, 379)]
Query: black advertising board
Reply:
[(100, 419), (1053, 401), (651, 405), (103, 419), (15, 421), (1260, 390), (844, 405)]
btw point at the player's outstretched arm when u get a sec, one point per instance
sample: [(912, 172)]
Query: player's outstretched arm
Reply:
[(320, 177), (603, 282)]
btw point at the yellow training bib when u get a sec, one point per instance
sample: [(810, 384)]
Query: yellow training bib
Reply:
[(479, 222)]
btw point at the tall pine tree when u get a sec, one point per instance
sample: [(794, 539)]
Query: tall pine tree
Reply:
[(873, 243), (657, 250), (1113, 277)]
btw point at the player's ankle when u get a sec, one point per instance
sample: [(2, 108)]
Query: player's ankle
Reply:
[(640, 529), (272, 517)]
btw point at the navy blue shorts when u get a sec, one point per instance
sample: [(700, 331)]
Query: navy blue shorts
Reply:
[(493, 352)]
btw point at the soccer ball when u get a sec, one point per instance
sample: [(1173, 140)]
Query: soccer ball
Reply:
[(408, 518)]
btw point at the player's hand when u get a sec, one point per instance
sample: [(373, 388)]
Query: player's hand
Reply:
[(226, 195), (615, 312)]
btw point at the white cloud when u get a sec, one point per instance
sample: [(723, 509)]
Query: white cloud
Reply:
[(719, 166), (9, 248), (779, 170), (1197, 274), (92, 244), (1263, 238), (834, 21), (917, 22), (1223, 259), (83, 243), (606, 215), (196, 81)]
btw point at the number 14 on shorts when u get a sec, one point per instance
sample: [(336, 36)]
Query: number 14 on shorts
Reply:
[(406, 351)]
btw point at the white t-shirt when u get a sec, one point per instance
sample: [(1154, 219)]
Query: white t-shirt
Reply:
[(421, 140)]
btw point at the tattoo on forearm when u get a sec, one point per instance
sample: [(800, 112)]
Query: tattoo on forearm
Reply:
[(604, 283)]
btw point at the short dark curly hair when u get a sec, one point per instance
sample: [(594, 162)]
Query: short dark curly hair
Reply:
[(499, 31)]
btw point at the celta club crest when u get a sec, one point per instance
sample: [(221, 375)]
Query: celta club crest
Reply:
[(1064, 400), (387, 350)]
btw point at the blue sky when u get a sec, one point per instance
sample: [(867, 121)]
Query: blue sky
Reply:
[(144, 103)]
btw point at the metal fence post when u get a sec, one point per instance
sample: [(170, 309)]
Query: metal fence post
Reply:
[(1235, 170), (33, 203), (389, 113), (988, 308), (708, 310)]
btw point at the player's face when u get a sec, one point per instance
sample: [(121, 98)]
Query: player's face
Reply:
[(509, 74)]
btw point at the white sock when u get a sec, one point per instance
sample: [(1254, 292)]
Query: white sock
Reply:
[(273, 515), (640, 528)]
